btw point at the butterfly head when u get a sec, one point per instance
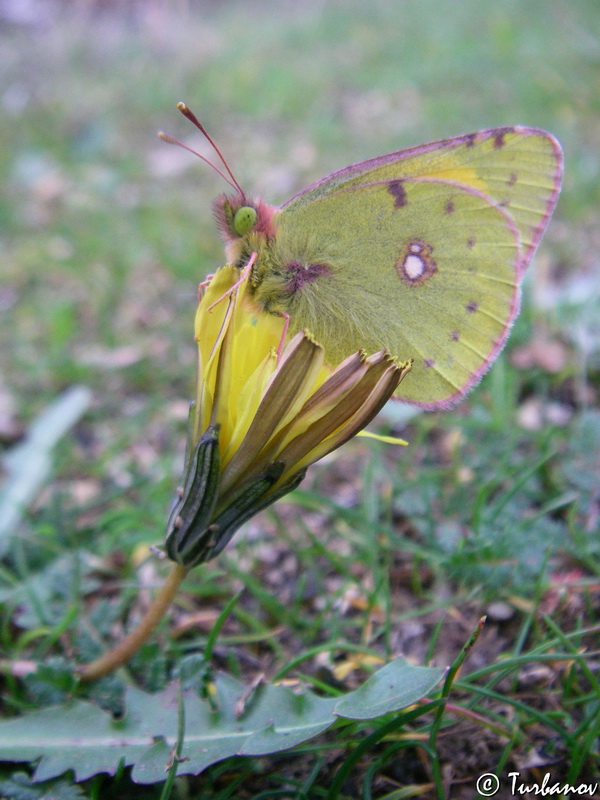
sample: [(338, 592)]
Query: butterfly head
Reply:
[(244, 223)]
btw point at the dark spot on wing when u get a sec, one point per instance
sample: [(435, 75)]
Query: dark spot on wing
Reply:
[(499, 137), (455, 336), (472, 307), (300, 274), (513, 179), (429, 362), (471, 243), (398, 192), (449, 207)]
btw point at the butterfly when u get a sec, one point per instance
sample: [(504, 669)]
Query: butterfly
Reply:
[(421, 252)]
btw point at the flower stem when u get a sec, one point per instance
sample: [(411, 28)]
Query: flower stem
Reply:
[(120, 654)]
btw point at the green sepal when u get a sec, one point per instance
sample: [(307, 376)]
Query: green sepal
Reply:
[(192, 511), (250, 501), (229, 521)]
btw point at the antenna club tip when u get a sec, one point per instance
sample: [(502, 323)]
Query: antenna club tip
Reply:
[(182, 107), (161, 135)]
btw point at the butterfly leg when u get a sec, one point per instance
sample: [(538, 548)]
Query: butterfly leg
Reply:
[(286, 325), (241, 279), (202, 286)]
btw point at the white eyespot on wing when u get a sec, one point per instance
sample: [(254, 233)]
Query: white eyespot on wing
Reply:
[(415, 264)]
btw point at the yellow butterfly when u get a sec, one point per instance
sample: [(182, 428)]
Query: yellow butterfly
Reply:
[(421, 252)]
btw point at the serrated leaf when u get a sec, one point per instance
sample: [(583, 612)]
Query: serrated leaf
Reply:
[(285, 719), (76, 735), (80, 736), (274, 719)]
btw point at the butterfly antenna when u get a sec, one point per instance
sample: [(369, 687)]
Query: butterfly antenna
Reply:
[(189, 114), (172, 140)]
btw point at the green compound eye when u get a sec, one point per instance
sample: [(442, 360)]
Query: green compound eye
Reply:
[(244, 219)]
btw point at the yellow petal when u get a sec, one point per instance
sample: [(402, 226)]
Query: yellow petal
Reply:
[(208, 325), (355, 411), (321, 403), (381, 438), (285, 393), (247, 401)]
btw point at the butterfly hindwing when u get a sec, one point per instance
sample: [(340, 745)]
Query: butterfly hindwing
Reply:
[(422, 267)]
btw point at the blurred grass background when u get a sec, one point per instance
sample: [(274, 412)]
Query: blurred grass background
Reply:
[(96, 211), (106, 232)]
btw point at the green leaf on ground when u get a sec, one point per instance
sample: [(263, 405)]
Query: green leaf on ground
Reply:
[(80, 736), (394, 686)]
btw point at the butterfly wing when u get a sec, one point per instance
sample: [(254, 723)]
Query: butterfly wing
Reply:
[(519, 168), (422, 252), (428, 270)]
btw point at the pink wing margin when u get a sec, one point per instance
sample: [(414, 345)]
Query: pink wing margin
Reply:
[(552, 198)]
